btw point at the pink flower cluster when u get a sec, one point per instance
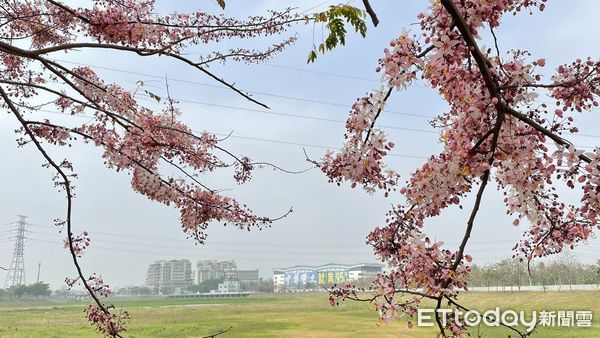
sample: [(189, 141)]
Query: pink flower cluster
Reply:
[(133, 137), (555, 224), (387, 301), (134, 23), (96, 283), (140, 141), (417, 261), (400, 64), (107, 324), (481, 140), (71, 282), (361, 159), (144, 143), (577, 86), (80, 243), (54, 136)]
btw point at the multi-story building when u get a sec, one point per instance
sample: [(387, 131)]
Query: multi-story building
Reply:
[(226, 271), (248, 279), (310, 277), (154, 275), (169, 277), (212, 269), (229, 287)]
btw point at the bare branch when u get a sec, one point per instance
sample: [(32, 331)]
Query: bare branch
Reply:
[(371, 12), (219, 333)]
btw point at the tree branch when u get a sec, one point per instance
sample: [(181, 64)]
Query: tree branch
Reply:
[(452, 301), (480, 59), (164, 181), (490, 84), (532, 123), (371, 12), (35, 54), (387, 95), (69, 195), (219, 333)]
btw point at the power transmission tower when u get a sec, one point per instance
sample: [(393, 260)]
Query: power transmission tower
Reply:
[(16, 271)]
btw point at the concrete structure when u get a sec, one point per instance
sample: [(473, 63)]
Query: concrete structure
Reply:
[(537, 288), (311, 277), (211, 269), (278, 278), (169, 277), (229, 287), (248, 279), (227, 271)]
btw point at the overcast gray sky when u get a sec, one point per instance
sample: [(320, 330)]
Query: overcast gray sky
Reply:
[(329, 223)]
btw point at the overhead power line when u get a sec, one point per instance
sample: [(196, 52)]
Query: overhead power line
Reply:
[(152, 241), (298, 116), (308, 145), (294, 98), (183, 252), (304, 70), (345, 76), (249, 254), (275, 141), (315, 6), (260, 93)]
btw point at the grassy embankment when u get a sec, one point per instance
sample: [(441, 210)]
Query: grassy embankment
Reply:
[(281, 315)]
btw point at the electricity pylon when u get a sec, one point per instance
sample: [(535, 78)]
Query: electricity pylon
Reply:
[(16, 271)]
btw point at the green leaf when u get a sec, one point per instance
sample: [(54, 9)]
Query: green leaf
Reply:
[(335, 20), (153, 96), (312, 56)]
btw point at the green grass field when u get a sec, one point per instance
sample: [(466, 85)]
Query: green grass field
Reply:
[(275, 315)]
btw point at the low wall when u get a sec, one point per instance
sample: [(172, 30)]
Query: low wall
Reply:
[(574, 287)]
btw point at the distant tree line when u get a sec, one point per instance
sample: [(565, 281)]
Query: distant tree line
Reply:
[(134, 291), (564, 270), (37, 290)]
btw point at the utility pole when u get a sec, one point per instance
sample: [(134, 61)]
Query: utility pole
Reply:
[(16, 271), (38, 277)]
